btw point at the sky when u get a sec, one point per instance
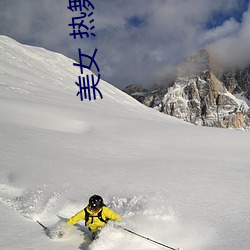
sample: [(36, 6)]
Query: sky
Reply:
[(137, 41)]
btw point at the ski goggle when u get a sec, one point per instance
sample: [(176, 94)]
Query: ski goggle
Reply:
[(94, 208)]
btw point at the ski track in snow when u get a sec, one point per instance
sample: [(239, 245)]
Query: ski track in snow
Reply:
[(43, 117)]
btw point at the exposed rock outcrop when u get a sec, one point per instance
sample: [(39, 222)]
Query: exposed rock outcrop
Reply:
[(201, 97)]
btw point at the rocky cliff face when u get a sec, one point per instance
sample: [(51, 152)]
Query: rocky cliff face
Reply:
[(237, 81), (201, 97)]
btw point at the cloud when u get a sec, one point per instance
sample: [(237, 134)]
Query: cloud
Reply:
[(233, 49), (138, 41), (228, 28)]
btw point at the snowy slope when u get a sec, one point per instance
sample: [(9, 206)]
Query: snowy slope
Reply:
[(179, 184)]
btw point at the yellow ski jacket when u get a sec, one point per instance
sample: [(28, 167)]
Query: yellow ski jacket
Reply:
[(94, 223)]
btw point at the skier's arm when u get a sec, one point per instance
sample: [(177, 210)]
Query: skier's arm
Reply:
[(110, 214), (77, 217)]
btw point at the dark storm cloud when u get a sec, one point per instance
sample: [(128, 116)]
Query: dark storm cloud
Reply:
[(138, 41)]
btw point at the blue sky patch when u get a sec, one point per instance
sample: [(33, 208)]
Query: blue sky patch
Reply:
[(136, 21), (219, 17)]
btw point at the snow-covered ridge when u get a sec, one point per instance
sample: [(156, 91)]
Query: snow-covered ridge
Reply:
[(37, 68), (38, 74)]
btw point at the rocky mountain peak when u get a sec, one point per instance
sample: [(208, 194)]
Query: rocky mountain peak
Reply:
[(202, 97), (196, 64)]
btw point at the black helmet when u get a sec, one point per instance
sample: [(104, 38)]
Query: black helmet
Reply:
[(96, 202)]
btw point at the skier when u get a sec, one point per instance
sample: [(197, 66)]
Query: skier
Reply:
[(95, 214)]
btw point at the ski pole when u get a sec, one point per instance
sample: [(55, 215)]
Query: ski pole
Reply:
[(45, 228), (146, 238)]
